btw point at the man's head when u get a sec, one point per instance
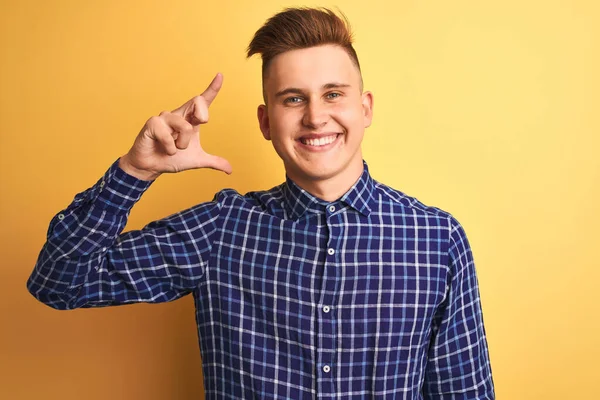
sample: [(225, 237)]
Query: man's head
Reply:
[(315, 111), (301, 28)]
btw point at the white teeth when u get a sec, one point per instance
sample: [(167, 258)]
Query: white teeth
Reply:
[(319, 142)]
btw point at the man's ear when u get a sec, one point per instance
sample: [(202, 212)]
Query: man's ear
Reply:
[(367, 104), (263, 121)]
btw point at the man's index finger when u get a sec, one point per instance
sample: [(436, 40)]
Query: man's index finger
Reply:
[(213, 89)]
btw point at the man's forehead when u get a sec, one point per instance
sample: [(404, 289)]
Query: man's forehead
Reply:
[(313, 66)]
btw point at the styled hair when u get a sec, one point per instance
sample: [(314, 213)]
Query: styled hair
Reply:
[(301, 28)]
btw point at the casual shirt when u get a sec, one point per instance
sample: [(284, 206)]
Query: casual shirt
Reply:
[(372, 296)]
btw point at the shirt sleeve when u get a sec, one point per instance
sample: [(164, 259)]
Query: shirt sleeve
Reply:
[(87, 262), (458, 367)]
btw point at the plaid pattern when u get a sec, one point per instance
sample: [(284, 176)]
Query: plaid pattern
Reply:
[(371, 296)]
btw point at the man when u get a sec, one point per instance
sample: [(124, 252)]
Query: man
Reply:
[(331, 285)]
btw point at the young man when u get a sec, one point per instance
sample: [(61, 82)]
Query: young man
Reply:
[(331, 285)]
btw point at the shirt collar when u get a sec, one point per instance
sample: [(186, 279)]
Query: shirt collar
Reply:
[(359, 197)]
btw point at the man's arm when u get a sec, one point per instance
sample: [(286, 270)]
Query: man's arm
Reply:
[(459, 366), (85, 262)]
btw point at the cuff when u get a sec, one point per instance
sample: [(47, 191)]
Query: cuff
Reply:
[(119, 191)]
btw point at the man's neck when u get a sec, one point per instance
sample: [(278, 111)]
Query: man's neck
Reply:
[(333, 188)]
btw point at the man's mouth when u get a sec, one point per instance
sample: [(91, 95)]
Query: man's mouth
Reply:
[(322, 140)]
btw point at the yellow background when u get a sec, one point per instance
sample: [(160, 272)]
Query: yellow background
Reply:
[(487, 109)]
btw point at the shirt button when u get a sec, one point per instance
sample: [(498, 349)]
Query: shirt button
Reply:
[(61, 217), (331, 252), (326, 368), (332, 208), (102, 184), (326, 309)]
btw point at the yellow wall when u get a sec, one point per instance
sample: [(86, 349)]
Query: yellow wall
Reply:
[(488, 109)]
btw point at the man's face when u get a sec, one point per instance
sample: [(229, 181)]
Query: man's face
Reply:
[(316, 114)]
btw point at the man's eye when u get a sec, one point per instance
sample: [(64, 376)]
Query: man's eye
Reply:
[(293, 100), (333, 95)]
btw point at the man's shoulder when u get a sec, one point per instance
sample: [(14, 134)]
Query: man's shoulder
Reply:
[(402, 202), (263, 199)]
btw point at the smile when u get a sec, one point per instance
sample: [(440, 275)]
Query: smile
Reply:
[(321, 141)]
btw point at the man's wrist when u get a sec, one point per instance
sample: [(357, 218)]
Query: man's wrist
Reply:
[(137, 173)]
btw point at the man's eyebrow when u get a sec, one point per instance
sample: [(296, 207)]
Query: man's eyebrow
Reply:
[(288, 91), (335, 85), (292, 90)]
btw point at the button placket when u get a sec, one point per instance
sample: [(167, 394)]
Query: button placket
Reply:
[(331, 274)]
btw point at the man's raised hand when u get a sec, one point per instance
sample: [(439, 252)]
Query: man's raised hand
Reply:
[(170, 142)]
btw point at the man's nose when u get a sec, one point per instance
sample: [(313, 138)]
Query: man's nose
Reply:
[(315, 115)]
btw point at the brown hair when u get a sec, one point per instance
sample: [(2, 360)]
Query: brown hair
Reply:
[(300, 28)]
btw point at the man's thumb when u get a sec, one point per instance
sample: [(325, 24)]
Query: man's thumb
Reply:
[(218, 163)]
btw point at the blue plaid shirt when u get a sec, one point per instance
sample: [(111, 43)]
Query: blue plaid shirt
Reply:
[(371, 296)]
